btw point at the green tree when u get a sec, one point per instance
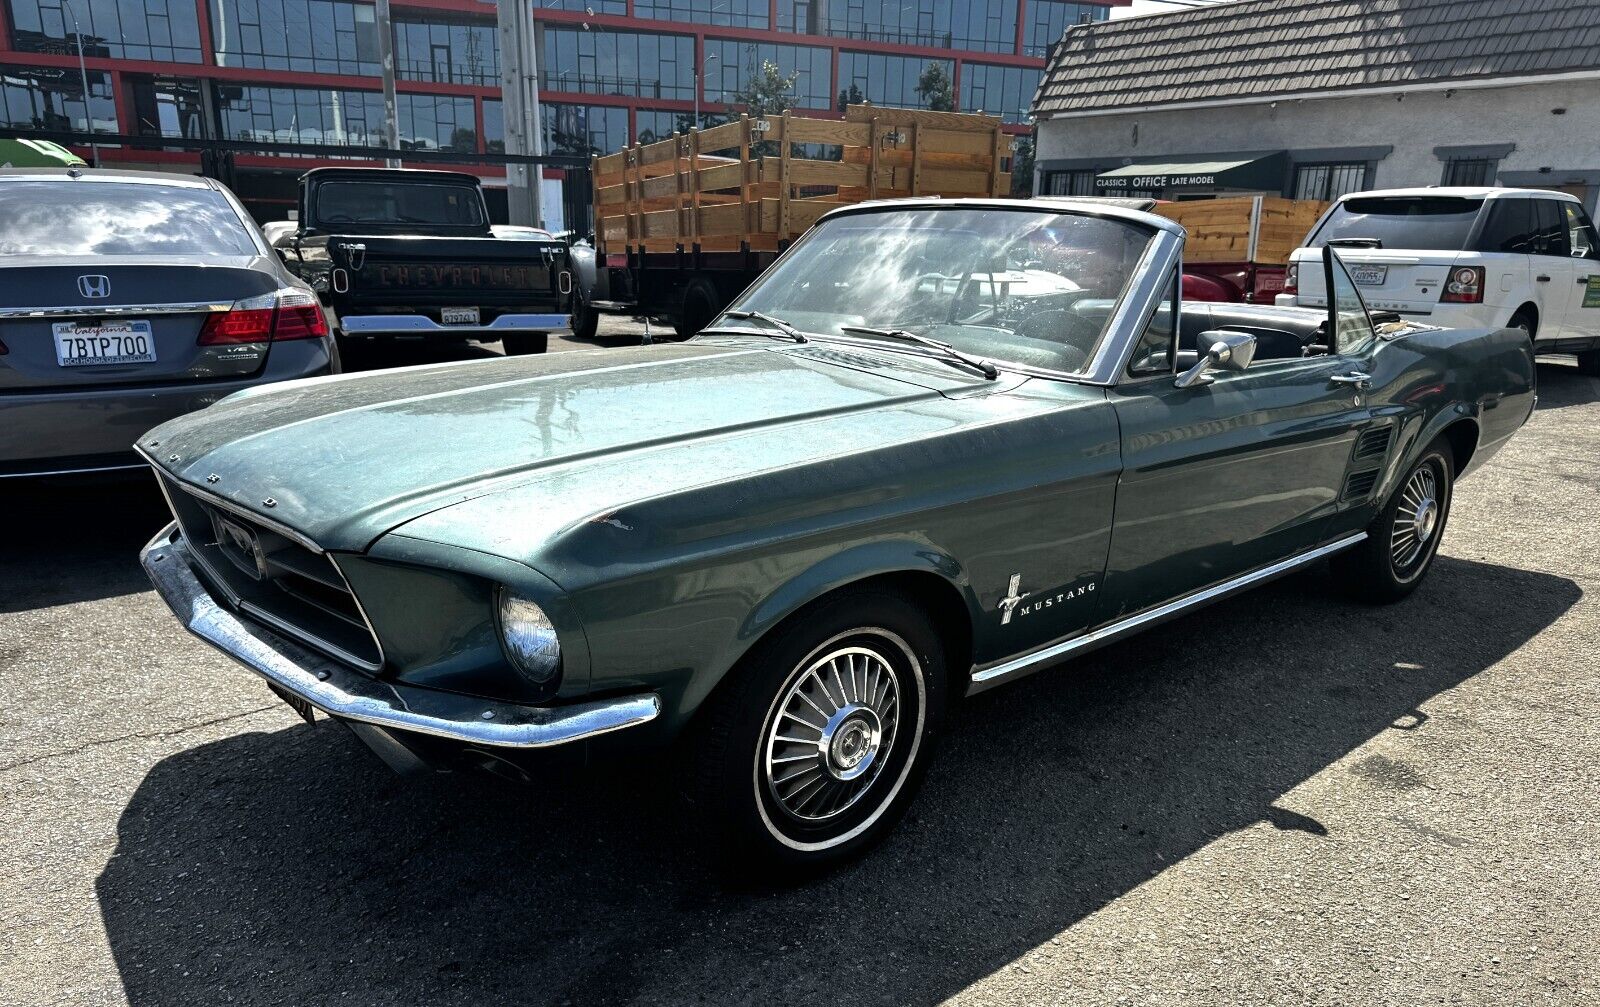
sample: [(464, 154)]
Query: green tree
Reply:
[(853, 96), (765, 92), (934, 88), (1022, 167)]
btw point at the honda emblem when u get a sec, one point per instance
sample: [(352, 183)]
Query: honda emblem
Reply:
[(94, 285)]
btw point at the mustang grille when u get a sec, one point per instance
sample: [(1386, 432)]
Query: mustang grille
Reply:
[(266, 574)]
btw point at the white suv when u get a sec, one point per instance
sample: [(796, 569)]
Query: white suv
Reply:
[(1466, 258)]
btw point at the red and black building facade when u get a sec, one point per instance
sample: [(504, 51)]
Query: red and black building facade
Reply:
[(275, 72)]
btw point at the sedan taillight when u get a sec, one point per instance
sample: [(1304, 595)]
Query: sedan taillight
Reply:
[(285, 314)]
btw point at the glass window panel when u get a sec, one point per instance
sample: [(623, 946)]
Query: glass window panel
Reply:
[(983, 25), (301, 115), (1328, 181), (1049, 19), (436, 122), (731, 65), (735, 13), (48, 98), (885, 80), (116, 29), (314, 36), (582, 130), (616, 62), (1003, 90), (451, 52)]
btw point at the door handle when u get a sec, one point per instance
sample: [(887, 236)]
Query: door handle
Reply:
[(1356, 378), (1542, 279), (1584, 280)]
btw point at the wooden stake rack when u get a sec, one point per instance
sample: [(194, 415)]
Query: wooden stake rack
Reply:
[(706, 189)]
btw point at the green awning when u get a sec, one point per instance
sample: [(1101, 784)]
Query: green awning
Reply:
[(1261, 171), (36, 154)]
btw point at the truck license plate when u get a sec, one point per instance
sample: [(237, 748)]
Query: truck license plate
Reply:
[(459, 316), (106, 343), (1369, 276)]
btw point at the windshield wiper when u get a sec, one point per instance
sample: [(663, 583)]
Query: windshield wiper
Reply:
[(772, 320), (988, 370)]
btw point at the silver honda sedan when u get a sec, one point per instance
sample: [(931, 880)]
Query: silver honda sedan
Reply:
[(128, 298)]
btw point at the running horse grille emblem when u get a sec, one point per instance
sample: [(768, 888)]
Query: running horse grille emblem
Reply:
[(1013, 598), (94, 285)]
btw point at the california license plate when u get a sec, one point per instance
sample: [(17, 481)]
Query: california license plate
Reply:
[(459, 316), (106, 343), (1369, 276)]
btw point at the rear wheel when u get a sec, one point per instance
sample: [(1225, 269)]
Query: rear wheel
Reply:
[(813, 749), (1589, 363), (1526, 320), (524, 343), (700, 303), (1403, 539), (585, 319)]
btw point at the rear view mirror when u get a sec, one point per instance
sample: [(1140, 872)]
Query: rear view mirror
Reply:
[(1225, 351)]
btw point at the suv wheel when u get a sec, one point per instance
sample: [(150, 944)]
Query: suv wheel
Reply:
[(1524, 319)]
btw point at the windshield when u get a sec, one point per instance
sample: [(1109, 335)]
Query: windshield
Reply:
[(1436, 223), (40, 217), (1020, 286), (439, 204)]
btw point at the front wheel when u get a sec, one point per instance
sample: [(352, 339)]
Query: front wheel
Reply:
[(523, 344), (1404, 538), (813, 749)]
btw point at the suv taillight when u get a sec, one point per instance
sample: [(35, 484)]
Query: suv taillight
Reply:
[(1465, 286), (285, 314), (1291, 279)]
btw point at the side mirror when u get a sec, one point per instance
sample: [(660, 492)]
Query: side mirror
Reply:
[(1229, 351)]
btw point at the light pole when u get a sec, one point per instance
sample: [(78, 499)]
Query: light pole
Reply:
[(699, 79), (83, 78)]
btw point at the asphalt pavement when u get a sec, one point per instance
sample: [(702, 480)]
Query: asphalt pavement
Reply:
[(1285, 798)]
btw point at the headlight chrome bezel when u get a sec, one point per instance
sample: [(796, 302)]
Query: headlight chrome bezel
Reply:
[(528, 637)]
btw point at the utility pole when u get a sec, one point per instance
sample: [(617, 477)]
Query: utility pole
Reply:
[(83, 77), (519, 93), (391, 114)]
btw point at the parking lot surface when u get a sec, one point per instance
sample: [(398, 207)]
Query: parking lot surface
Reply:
[(1285, 798)]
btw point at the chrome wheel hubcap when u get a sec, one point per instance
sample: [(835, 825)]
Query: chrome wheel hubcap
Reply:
[(833, 728), (1416, 519)]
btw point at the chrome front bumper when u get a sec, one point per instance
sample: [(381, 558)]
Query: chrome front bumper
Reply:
[(402, 325), (340, 691)]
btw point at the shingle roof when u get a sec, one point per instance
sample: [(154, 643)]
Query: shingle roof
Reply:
[(1276, 47)]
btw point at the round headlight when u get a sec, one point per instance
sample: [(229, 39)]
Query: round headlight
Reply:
[(528, 638)]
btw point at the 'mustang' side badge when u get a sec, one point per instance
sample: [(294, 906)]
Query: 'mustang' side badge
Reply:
[(1012, 603)]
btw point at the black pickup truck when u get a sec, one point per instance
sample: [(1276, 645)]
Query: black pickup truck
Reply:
[(401, 252)]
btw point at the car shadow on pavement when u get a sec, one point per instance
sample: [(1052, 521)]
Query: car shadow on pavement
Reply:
[(288, 866), (1560, 385), (76, 539)]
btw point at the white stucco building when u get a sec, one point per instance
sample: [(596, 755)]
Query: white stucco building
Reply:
[(1312, 99)]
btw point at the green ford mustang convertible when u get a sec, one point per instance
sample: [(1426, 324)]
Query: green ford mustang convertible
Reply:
[(939, 445)]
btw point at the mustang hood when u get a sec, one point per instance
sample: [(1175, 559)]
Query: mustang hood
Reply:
[(346, 458)]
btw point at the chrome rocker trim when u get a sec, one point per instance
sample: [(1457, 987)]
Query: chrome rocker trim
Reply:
[(1005, 671), (342, 692), (361, 325)]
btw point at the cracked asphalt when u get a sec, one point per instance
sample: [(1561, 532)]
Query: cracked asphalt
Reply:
[(1286, 798)]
